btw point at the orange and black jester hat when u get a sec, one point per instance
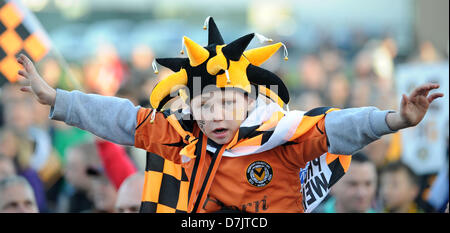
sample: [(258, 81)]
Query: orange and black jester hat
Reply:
[(220, 65)]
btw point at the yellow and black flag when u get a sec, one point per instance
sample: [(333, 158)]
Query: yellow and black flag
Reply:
[(166, 186), (20, 32)]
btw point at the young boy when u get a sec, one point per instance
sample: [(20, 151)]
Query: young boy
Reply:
[(235, 150)]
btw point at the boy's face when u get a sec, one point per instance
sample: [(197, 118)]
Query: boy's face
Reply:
[(219, 113)]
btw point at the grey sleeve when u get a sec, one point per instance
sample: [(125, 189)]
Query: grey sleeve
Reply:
[(111, 118), (349, 130)]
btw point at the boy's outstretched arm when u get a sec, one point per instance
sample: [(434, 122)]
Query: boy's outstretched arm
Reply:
[(111, 118), (349, 130)]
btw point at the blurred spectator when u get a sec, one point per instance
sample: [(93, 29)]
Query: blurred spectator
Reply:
[(104, 194), (383, 61), (332, 60), (338, 91), (22, 115), (16, 196), (307, 100), (9, 146), (373, 71), (142, 57), (6, 167), (77, 196), (355, 192), (427, 53), (362, 93), (439, 192), (116, 166), (130, 194), (95, 171), (17, 108), (105, 72), (18, 150), (362, 64), (115, 162), (28, 141), (63, 137), (312, 74), (399, 188)]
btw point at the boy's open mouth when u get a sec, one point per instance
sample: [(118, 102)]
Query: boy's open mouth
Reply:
[(220, 132)]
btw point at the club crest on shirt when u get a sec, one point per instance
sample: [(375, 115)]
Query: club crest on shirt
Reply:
[(259, 173)]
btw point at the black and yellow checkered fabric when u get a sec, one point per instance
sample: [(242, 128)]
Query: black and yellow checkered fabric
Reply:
[(168, 192), (18, 34)]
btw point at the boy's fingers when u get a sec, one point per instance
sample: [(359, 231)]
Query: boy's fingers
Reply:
[(424, 89), (23, 73), (27, 63), (21, 59), (26, 89), (434, 96), (404, 100), (416, 91)]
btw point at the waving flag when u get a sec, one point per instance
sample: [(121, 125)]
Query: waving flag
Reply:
[(20, 32)]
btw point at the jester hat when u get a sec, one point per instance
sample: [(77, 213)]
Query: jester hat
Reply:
[(219, 65)]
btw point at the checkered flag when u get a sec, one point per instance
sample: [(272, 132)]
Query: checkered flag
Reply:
[(20, 32), (166, 186)]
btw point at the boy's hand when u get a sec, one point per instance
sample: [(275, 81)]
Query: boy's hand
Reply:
[(37, 86), (413, 108)]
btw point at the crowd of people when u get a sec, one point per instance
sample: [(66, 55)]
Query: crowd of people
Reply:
[(47, 166)]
